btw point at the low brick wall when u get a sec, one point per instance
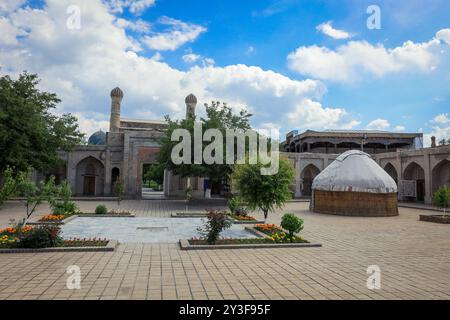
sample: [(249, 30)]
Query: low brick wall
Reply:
[(362, 204)]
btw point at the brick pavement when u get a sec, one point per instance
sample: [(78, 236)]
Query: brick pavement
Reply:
[(414, 258)]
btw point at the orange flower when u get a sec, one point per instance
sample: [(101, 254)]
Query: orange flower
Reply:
[(52, 217)]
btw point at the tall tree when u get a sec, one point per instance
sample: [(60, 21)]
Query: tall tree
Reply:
[(264, 192), (218, 116), (30, 135)]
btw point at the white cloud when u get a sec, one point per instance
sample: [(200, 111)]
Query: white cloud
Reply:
[(399, 128), (102, 56), (357, 59), (327, 29), (137, 26), (178, 34), (440, 129), (250, 50), (139, 6), (441, 119), (444, 35), (378, 124), (191, 57), (310, 114), (8, 32), (136, 7), (10, 5)]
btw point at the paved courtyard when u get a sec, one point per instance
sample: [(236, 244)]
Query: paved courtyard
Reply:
[(414, 258)]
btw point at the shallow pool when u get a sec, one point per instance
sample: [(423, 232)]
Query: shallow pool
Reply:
[(145, 230)]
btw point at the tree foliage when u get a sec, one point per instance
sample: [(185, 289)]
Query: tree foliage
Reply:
[(30, 134), (264, 192), (441, 198), (218, 116)]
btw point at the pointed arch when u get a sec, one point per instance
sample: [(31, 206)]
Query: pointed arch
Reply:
[(307, 176)]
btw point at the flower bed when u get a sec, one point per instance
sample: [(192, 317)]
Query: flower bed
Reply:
[(52, 218), (241, 217), (43, 237), (94, 242), (277, 234)]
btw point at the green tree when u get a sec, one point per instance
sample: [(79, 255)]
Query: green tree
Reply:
[(441, 198), (264, 192), (119, 191), (62, 203), (30, 134), (35, 193), (442, 142), (218, 116), (7, 186), (292, 224)]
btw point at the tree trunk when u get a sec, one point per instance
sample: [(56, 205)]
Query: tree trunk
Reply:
[(266, 212)]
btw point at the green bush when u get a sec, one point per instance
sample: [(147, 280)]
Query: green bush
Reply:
[(216, 222), (233, 204), (292, 224), (441, 198), (101, 209), (65, 208), (41, 237), (62, 203), (237, 207)]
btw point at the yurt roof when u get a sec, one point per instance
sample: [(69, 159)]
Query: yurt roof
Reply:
[(354, 171)]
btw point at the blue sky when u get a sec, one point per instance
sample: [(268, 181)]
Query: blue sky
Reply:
[(294, 64)]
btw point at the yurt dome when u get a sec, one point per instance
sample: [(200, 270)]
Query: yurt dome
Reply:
[(354, 184)]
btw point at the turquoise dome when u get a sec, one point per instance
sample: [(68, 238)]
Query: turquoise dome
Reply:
[(97, 138)]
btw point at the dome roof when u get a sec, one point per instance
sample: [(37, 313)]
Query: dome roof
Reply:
[(354, 171), (117, 92), (97, 138), (191, 99)]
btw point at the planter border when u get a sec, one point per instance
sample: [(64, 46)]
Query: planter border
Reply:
[(110, 246), (83, 215), (188, 215), (435, 218), (184, 245)]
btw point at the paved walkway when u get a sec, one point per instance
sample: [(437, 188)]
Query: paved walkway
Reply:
[(414, 258)]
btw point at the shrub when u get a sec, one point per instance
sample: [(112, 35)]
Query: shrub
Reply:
[(119, 191), (216, 222), (153, 184), (64, 205), (41, 237), (233, 203), (237, 207), (441, 198), (292, 224), (101, 209)]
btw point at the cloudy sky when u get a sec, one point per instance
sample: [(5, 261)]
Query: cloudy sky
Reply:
[(294, 64)]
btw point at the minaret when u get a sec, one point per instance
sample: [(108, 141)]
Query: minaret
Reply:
[(116, 99), (191, 103)]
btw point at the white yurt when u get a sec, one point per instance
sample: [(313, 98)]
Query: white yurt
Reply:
[(354, 185)]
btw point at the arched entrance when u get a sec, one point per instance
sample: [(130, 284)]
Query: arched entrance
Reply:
[(308, 174), (115, 176), (390, 169), (441, 175), (414, 172), (89, 177)]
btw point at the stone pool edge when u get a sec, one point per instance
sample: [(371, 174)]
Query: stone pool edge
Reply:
[(111, 246)]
